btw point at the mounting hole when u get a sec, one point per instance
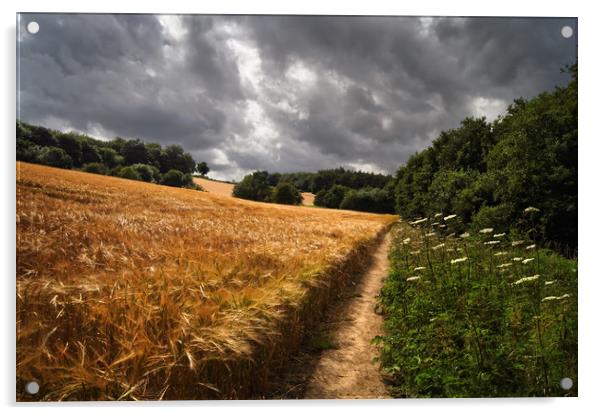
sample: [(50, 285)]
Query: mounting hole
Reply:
[(566, 383), (33, 27), (32, 387), (566, 32)]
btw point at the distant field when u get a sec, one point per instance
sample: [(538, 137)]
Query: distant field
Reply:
[(129, 290), (223, 188)]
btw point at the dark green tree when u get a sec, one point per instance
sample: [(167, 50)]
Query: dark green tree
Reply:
[(287, 194), (202, 168)]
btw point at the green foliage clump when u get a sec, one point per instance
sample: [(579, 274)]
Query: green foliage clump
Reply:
[(326, 179), (176, 178), (492, 171), (129, 172), (253, 186), (96, 168), (368, 200), (477, 316), (147, 172), (286, 194), (55, 157), (202, 168), (332, 197)]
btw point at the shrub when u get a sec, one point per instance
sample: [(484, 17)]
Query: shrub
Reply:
[(287, 194), (253, 187), (368, 200), (96, 168), (110, 157), (129, 173), (176, 178), (147, 172), (332, 197), (55, 157), (496, 217)]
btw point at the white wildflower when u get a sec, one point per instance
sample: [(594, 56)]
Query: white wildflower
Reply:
[(443, 226), (527, 260), (554, 298), (531, 247), (527, 279), (428, 235), (486, 230), (550, 282), (412, 279), (454, 261), (419, 268), (517, 243), (438, 215), (406, 241), (439, 246), (465, 235), (492, 242), (517, 258), (449, 217), (531, 209), (507, 264), (418, 221), (499, 235), (500, 253)]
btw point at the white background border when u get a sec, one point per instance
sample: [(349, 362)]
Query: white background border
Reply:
[(590, 156)]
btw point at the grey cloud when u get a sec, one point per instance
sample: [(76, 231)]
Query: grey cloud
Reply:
[(383, 87)]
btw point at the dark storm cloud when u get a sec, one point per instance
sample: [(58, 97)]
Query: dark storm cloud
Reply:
[(284, 93)]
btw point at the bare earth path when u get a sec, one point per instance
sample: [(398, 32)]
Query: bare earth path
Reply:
[(348, 371)]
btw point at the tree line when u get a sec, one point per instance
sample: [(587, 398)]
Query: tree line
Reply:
[(130, 159), (487, 173), (335, 188)]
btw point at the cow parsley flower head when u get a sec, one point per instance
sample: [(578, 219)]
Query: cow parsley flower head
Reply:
[(527, 279), (486, 230)]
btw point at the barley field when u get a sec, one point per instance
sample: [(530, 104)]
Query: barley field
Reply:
[(129, 290)]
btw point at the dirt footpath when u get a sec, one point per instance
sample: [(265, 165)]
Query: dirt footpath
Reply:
[(347, 371)]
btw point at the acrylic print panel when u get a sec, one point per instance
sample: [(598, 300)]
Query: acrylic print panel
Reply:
[(267, 207)]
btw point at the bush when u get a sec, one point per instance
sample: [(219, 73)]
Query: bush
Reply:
[(287, 194), (27, 151), (96, 168), (176, 178), (147, 172), (332, 197), (55, 157), (110, 157), (497, 217), (368, 200), (129, 173), (253, 187)]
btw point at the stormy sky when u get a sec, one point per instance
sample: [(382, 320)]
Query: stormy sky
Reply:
[(283, 93)]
